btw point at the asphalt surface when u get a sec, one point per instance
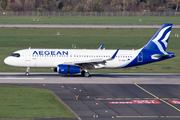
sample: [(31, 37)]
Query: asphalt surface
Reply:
[(92, 100), (82, 26), (96, 78)]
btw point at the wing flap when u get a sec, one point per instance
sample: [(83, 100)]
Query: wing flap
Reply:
[(90, 61)]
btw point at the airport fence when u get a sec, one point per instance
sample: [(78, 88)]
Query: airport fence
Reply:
[(118, 14)]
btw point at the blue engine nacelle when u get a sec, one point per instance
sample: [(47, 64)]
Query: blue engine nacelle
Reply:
[(67, 69)]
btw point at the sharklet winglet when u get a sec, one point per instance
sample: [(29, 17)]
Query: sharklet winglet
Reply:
[(114, 54)]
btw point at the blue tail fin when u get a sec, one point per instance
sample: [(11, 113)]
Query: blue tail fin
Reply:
[(160, 39)]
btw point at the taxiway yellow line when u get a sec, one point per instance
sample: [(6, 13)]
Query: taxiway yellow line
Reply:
[(156, 97)]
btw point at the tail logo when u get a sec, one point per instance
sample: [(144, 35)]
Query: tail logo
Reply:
[(160, 41)]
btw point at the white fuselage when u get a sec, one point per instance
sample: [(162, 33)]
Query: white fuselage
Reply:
[(54, 57)]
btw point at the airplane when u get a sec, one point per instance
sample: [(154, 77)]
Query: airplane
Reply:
[(71, 61)]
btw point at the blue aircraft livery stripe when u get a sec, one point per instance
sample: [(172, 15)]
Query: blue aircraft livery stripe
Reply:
[(160, 39)]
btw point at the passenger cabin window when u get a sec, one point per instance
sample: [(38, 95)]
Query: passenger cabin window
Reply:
[(15, 55)]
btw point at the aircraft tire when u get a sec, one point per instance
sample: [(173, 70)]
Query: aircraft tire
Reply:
[(86, 74), (27, 74)]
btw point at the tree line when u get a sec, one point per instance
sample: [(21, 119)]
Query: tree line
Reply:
[(90, 5)]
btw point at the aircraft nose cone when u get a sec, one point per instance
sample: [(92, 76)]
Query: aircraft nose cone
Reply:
[(7, 61)]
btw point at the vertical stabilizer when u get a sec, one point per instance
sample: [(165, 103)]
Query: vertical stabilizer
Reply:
[(160, 39)]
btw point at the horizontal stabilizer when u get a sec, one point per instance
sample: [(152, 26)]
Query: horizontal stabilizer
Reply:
[(156, 56)]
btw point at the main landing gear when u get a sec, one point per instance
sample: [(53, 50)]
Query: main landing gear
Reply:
[(27, 71), (85, 73)]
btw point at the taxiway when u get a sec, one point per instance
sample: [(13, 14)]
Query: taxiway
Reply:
[(109, 96)]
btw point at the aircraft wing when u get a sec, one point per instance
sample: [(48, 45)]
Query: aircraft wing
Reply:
[(91, 61), (97, 60)]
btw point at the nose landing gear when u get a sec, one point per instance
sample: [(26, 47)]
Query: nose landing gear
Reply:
[(27, 71)]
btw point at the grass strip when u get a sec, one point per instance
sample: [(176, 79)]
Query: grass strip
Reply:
[(135, 20), (25, 102)]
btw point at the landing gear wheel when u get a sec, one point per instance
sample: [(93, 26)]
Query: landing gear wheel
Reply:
[(27, 74), (27, 71), (86, 74)]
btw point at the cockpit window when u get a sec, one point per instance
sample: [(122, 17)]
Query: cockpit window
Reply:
[(15, 55)]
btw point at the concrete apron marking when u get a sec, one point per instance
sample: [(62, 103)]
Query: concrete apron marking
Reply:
[(156, 97), (136, 98)]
